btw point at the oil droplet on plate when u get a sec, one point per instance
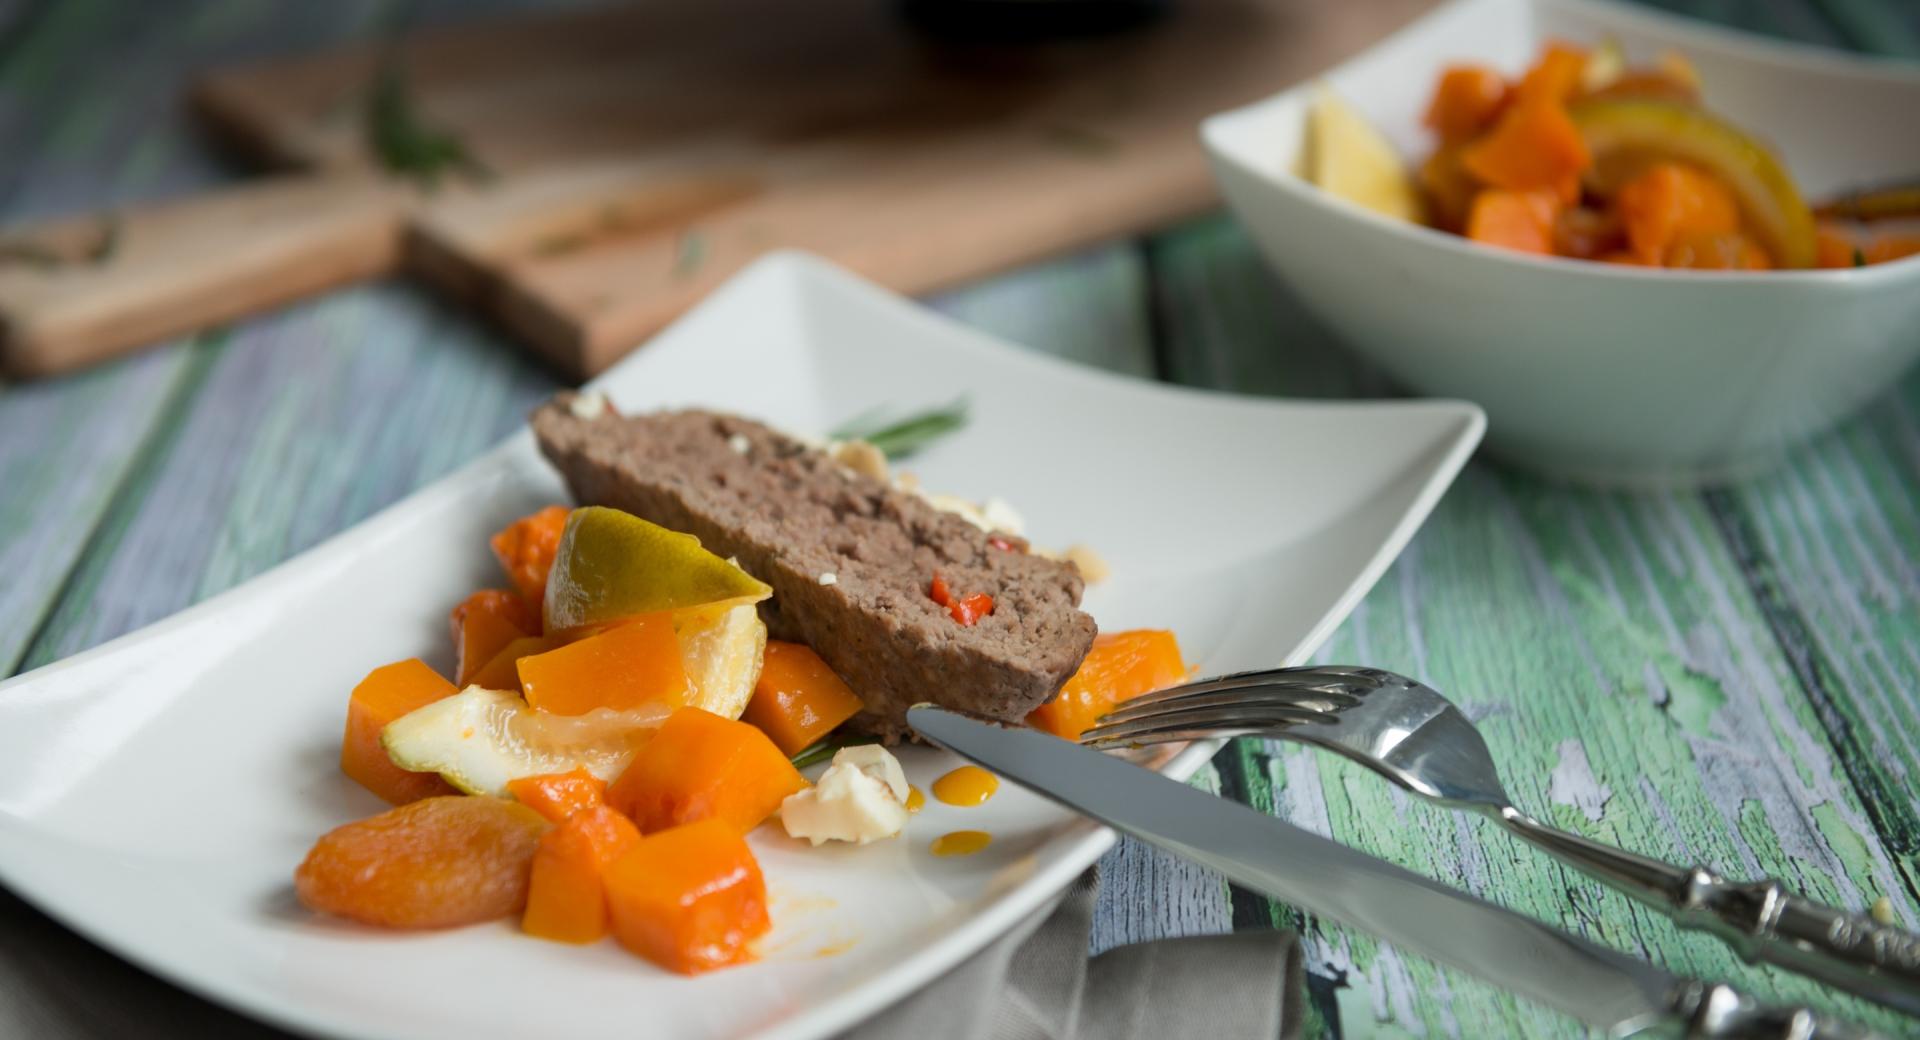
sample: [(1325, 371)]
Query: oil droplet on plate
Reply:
[(961, 843), (915, 798), (967, 785)]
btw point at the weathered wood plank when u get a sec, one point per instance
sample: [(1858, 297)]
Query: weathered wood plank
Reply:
[(1624, 674)]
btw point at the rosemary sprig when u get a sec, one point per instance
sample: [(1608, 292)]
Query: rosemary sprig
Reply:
[(825, 748), (403, 141), (899, 438)]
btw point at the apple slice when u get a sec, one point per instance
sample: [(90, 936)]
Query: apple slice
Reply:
[(1349, 157)]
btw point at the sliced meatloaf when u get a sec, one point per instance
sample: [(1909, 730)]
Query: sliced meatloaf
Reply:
[(850, 558)]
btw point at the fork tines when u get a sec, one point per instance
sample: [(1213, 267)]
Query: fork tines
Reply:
[(1235, 705)]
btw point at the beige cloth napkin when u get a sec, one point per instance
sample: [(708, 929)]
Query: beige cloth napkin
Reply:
[(1037, 983)]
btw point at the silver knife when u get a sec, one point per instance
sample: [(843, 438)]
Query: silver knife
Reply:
[(1592, 983)]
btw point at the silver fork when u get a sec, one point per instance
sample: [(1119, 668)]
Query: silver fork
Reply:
[(1410, 734)]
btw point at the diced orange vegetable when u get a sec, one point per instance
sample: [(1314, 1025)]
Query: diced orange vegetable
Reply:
[(483, 623), (434, 863), (567, 892), (798, 699), (1716, 252), (1834, 247), (1888, 247), (1555, 76), (690, 899), (1533, 145), (634, 663), (1521, 220), (1465, 102), (700, 766), (1448, 186), (1670, 200), (526, 549), (502, 670), (557, 796), (387, 693), (1120, 667)]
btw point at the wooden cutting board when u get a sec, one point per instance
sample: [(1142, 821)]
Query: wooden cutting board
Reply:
[(629, 158)]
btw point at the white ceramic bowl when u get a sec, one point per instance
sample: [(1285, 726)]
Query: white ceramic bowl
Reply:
[(1594, 371)]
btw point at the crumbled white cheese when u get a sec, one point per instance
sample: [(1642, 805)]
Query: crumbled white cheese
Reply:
[(588, 406), (1092, 566), (1000, 516), (862, 797), (860, 457), (876, 762), (740, 444), (829, 578)]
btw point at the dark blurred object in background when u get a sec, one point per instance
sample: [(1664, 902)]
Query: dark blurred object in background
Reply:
[(1009, 21)]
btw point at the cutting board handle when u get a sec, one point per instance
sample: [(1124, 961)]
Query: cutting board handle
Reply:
[(80, 290)]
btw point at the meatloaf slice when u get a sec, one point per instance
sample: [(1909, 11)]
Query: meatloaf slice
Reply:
[(849, 557)]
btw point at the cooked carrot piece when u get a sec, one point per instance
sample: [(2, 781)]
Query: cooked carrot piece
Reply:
[(1835, 247), (434, 863), (1555, 75), (483, 623), (690, 899), (557, 796), (566, 890), (1716, 252), (634, 663), (1465, 101), (1533, 145), (1521, 220), (387, 693), (502, 670), (1888, 247), (798, 699), (1120, 667), (1670, 200), (700, 766), (526, 549)]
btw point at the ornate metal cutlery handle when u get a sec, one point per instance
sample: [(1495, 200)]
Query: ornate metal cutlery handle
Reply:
[(1711, 1011), (1762, 920)]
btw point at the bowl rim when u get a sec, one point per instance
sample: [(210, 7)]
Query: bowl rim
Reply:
[(1215, 131)]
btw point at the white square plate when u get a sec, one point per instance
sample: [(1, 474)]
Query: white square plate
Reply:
[(159, 790)]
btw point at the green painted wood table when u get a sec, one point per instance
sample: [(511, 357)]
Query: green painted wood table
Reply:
[(1730, 676)]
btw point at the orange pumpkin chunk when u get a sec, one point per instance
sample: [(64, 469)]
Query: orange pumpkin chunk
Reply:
[(566, 893), (434, 863), (690, 899), (483, 623), (632, 664), (387, 693), (700, 766), (557, 796), (526, 549), (1534, 145), (502, 670), (1555, 76), (1120, 667), (798, 699), (1522, 220), (1672, 200), (1465, 102)]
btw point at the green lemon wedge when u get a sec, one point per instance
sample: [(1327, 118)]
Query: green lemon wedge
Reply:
[(478, 739), (612, 565), (1347, 156), (1626, 134)]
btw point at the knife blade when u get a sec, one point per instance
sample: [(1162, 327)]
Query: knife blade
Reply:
[(1597, 985)]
